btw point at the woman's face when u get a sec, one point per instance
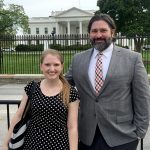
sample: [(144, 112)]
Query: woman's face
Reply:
[(51, 66)]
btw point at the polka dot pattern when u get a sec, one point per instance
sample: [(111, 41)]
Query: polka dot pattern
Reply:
[(47, 129)]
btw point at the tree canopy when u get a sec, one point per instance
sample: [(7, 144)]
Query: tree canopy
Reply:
[(132, 17), (12, 17)]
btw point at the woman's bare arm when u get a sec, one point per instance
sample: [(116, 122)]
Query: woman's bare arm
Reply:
[(72, 124)]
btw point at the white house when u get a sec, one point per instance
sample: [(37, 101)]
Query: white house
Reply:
[(71, 21)]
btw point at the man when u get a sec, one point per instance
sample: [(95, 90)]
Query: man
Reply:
[(114, 91)]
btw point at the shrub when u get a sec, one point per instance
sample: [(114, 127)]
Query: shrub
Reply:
[(25, 48), (75, 47)]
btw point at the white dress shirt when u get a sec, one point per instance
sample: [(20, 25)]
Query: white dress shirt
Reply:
[(106, 57)]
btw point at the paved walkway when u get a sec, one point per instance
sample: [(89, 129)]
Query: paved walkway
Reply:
[(14, 92), (8, 92)]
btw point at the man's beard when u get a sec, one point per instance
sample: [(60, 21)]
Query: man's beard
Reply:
[(101, 45)]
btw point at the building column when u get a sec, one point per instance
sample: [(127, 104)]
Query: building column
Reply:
[(68, 27), (60, 29), (80, 31), (80, 27), (57, 28)]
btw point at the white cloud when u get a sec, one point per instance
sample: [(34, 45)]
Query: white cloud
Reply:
[(37, 8)]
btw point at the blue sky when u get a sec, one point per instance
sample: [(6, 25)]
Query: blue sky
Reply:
[(43, 8)]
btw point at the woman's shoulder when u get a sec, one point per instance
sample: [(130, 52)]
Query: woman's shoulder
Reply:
[(73, 88), (30, 86), (74, 95)]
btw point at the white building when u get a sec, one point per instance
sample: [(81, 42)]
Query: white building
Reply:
[(71, 21)]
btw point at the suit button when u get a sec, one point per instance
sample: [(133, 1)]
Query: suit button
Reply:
[(96, 100)]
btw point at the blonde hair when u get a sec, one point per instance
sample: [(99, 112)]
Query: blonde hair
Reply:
[(66, 85)]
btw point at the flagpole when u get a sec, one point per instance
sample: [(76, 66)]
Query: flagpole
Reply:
[(79, 3)]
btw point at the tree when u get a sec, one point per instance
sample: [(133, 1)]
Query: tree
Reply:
[(12, 17), (131, 17)]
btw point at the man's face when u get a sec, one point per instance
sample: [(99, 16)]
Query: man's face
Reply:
[(101, 35)]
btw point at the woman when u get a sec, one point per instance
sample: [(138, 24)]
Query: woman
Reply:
[(53, 124)]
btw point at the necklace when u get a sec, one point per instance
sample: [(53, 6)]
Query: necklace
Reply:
[(51, 90)]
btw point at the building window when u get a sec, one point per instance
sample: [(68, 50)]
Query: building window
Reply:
[(37, 31), (53, 31), (77, 30), (46, 30), (29, 30)]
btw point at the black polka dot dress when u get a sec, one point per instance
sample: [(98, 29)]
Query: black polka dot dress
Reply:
[(47, 129)]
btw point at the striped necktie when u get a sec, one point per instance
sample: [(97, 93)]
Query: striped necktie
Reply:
[(98, 73)]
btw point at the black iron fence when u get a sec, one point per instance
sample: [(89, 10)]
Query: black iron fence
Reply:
[(16, 102), (21, 54), (8, 103)]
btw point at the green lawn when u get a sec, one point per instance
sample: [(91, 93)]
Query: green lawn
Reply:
[(146, 55), (146, 60), (28, 63)]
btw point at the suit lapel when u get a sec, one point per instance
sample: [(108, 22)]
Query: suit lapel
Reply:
[(87, 62), (115, 59)]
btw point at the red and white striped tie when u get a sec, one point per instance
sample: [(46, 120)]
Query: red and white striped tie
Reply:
[(99, 73)]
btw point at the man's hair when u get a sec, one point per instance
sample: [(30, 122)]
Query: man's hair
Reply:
[(103, 17)]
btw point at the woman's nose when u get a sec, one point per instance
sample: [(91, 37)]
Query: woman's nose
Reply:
[(51, 68)]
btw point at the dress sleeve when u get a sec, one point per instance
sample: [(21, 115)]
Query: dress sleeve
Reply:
[(74, 95), (28, 88)]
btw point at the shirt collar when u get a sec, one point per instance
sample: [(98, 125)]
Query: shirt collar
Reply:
[(106, 52)]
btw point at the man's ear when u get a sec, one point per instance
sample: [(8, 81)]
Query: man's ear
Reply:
[(113, 32)]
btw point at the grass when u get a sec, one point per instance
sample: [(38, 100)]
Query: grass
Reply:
[(146, 60), (146, 55), (28, 63)]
